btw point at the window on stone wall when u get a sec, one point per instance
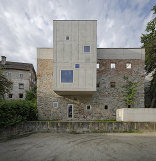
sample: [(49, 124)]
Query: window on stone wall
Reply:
[(9, 74), (88, 107), (112, 65), (128, 65), (55, 104), (20, 95), (112, 84), (129, 106), (106, 107), (97, 66), (21, 86), (98, 84), (21, 75), (10, 95)]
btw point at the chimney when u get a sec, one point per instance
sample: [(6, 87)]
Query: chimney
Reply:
[(3, 61)]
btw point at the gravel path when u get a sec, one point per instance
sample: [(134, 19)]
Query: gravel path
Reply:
[(80, 147)]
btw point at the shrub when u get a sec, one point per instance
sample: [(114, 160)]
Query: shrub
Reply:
[(15, 111)]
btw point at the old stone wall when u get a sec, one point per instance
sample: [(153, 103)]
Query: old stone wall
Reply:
[(103, 103)]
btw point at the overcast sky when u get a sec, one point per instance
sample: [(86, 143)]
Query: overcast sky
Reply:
[(27, 24)]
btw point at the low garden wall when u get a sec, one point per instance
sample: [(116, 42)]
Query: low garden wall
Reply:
[(75, 127)]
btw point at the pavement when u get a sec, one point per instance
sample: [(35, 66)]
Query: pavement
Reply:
[(80, 147)]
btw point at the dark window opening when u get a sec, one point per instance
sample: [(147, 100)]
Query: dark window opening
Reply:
[(87, 49), (70, 111), (67, 37), (112, 84), (21, 95), (77, 65), (10, 95), (21, 86), (66, 76), (88, 107), (129, 106), (106, 107), (98, 85)]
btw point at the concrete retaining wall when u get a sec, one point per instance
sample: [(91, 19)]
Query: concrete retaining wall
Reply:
[(75, 127), (136, 114)]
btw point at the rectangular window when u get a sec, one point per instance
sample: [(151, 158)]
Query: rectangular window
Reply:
[(9, 74), (112, 65), (67, 37), (21, 75), (20, 95), (66, 76), (77, 65), (70, 110), (87, 49), (128, 65), (55, 104), (21, 86), (112, 84), (10, 95), (106, 107), (97, 66), (88, 107)]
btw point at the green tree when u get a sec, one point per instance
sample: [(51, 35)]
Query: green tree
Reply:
[(149, 43), (5, 85), (129, 91), (31, 95)]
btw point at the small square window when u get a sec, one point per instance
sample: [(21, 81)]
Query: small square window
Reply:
[(98, 84), (129, 106), (87, 49), (66, 76), (10, 95), (67, 37), (55, 104), (9, 74), (21, 86), (97, 66), (112, 84), (88, 107), (106, 107), (21, 75), (112, 65), (128, 65), (20, 95), (77, 65)]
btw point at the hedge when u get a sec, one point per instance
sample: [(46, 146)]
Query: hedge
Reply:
[(16, 111)]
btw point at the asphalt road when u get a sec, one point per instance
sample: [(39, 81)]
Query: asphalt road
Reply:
[(80, 147)]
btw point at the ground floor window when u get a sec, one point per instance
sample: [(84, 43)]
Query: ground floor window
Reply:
[(70, 110), (20, 95), (10, 95)]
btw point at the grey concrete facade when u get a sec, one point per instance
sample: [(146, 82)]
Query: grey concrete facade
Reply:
[(69, 104), (22, 77)]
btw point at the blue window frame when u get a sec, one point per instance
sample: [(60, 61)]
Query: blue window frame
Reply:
[(66, 76), (87, 49), (77, 65)]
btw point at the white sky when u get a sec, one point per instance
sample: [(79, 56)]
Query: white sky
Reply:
[(27, 24)]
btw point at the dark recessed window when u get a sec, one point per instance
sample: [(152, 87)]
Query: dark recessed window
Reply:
[(77, 65), (66, 76), (87, 49), (129, 106), (21, 75), (10, 95), (112, 84), (88, 107), (106, 107), (21, 86), (55, 104), (67, 37), (20, 95), (98, 85)]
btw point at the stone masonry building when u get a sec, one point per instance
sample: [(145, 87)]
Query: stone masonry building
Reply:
[(78, 81), (22, 75)]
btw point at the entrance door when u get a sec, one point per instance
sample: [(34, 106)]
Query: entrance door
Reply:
[(70, 110)]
